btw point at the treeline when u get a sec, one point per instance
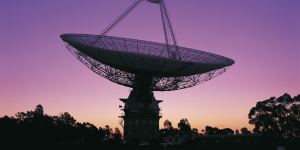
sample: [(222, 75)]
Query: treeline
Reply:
[(184, 129), (37, 127), (276, 121), (277, 118)]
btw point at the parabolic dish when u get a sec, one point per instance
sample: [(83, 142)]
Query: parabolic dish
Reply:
[(120, 59)]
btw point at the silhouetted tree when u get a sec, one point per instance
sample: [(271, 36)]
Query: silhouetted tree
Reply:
[(117, 136), (168, 130), (101, 133), (91, 134), (211, 131), (226, 131), (184, 127), (107, 132), (8, 129), (277, 117), (245, 131), (237, 132), (39, 110), (67, 119), (168, 124), (22, 116), (195, 133), (216, 131)]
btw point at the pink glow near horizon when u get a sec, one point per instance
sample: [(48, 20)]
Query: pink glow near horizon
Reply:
[(263, 37)]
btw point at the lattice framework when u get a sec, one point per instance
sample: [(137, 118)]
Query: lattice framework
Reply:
[(146, 48)]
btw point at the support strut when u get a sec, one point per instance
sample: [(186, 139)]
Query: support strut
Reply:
[(167, 25)]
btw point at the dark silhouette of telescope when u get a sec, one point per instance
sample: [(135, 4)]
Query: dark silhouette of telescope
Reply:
[(145, 67)]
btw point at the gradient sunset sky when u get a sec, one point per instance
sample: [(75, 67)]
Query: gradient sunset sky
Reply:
[(262, 36)]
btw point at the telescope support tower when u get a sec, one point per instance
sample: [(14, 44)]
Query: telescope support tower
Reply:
[(141, 112)]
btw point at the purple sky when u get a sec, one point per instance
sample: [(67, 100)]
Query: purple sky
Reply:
[(262, 36)]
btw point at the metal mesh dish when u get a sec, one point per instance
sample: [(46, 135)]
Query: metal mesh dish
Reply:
[(120, 59)]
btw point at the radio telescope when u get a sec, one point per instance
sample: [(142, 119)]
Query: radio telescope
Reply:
[(145, 67)]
